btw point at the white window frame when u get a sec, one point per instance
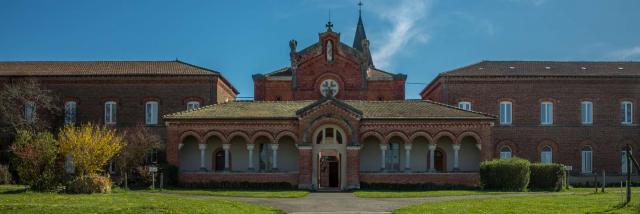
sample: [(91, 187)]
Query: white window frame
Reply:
[(151, 112), (70, 112), (623, 159), (626, 108), (110, 112), (586, 157), (546, 113), (586, 112), (546, 155), (191, 105), (30, 112), (466, 105), (506, 117), (506, 154)]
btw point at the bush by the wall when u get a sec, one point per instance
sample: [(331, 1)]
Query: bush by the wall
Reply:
[(416, 187), (35, 160), (170, 173), (505, 175), (5, 175), (547, 177), (88, 184)]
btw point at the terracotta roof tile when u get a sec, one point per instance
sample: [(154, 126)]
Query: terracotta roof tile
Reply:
[(547, 68), (108, 68)]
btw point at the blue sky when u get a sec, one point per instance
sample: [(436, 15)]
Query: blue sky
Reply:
[(420, 38)]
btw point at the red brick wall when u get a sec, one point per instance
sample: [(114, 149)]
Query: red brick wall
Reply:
[(197, 177), (353, 168), (567, 135), (468, 179)]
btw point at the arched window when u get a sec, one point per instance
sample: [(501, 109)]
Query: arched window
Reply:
[(586, 155), (623, 159), (192, 105), (151, 113), (546, 155), (70, 112), (505, 153), (329, 135)]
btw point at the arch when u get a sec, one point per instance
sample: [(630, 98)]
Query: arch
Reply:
[(442, 134), (284, 134), (215, 134), (552, 144), (344, 124), (469, 134), (190, 133), (417, 134), (396, 134), (238, 134), (266, 134), (514, 148), (321, 129), (371, 134)]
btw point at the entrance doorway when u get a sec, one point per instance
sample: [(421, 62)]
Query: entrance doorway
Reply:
[(439, 160), (329, 172), (218, 160)]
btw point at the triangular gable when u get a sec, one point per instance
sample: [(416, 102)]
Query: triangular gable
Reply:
[(330, 101)]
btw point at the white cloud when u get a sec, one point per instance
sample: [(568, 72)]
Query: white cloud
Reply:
[(404, 18), (625, 54)]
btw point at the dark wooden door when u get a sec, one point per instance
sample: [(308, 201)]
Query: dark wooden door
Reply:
[(219, 161), (439, 160), (334, 174)]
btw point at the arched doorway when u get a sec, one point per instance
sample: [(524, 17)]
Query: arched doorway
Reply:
[(440, 160), (329, 148), (218, 160)]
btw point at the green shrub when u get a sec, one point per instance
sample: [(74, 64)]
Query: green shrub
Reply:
[(5, 175), (505, 175), (170, 175), (413, 187), (240, 185), (35, 160), (549, 177), (88, 184)]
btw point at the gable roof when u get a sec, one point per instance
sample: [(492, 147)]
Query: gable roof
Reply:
[(101, 68), (400, 109), (547, 68)]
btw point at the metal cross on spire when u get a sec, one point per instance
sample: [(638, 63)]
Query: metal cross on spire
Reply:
[(329, 25), (360, 8)]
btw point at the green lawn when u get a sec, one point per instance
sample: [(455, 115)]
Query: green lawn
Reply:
[(580, 200), (236, 193), (416, 194), (14, 200)]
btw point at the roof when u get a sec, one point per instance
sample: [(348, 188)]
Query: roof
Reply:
[(547, 68), (101, 68), (358, 37), (400, 109)]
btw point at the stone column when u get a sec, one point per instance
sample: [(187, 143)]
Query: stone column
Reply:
[(274, 160), (202, 148), (456, 157), (226, 147), (383, 151), (180, 146), (407, 157), (250, 149), (432, 159)]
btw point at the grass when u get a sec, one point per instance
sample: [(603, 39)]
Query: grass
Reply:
[(417, 194), (236, 193), (13, 199), (578, 200)]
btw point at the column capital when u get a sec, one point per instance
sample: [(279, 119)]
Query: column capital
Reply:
[(432, 146), (456, 146), (407, 146), (180, 146), (479, 146), (202, 146), (226, 146), (250, 147), (383, 146), (274, 146)]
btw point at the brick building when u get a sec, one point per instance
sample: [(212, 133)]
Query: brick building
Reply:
[(331, 120), (580, 114), (122, 93)]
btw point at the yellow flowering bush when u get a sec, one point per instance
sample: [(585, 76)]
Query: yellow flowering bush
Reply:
[(89, 146)]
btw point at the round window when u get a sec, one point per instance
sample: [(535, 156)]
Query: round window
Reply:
[(329, 87)]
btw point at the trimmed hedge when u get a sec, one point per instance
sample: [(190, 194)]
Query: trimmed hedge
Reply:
[(415, 187), (240, 185), (505, 175), (550, 177)]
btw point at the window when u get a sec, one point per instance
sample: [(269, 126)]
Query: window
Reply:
[(70, 112), (505, 113), (546, 113), (546, 155), (192, 105), (586, 159), (586, 109), (30, 112), (110, 112), (393, 157), (329, 136), (627, 112), (68, 164), (329, 87), (505, 153), (151, 113), (464, 105), (623, 158)]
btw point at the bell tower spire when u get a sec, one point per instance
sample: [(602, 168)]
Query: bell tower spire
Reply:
[(360, 41)]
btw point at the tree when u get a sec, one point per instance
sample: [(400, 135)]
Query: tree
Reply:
[(35, 159), (139, 143), (21, 103), (89, 146)]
